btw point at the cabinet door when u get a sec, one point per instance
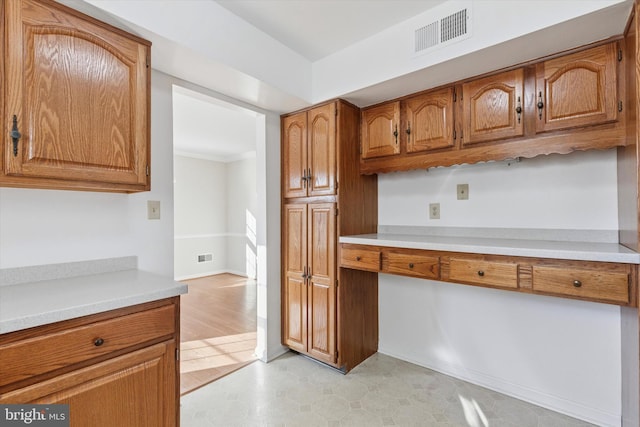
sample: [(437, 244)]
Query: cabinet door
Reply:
[(137, 389), (429, 121), (294, 155), (380, 133), (322, 297), (577, 89), (322, 150), (493, 107), (79, 93), (294, 294)]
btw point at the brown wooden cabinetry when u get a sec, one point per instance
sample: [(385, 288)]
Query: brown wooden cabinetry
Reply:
[(578, 89), (381, 130), (310, 273), (493, 107), (113, 368), (606, 282), (328, 313), (77, 92), (558, 105), (309, 156), (429, 121)]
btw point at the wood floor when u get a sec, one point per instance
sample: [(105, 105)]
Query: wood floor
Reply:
[(218, 328)]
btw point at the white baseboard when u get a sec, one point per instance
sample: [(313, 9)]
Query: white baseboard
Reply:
[(536, 397), (209, 273)]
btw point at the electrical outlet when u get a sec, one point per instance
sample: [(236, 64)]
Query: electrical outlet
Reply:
[(434, 210), (463, 191), (153, 209)]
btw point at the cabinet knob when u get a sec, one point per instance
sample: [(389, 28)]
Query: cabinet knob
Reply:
[(358, 258), (577, 283), (410, 265), (98, 342), (480, 273)]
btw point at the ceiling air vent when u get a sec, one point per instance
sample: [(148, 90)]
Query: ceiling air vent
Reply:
[(453, 26), (447, 30)]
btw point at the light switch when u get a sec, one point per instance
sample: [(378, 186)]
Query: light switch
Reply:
[(153, 209), (463, 191)]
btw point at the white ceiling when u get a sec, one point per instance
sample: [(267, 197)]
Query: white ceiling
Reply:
[(215, 130), (208, 128), (318, 28)]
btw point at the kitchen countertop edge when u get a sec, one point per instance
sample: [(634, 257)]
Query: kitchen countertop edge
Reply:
[(579, 251), (22, 306)]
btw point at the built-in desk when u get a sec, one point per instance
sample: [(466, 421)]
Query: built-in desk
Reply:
[(597, 271)]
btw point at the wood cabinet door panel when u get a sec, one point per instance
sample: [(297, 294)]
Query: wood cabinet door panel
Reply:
[(295, 268), (322, 326), (294, 154), (295, 313), (79, 94), (578, 89), (379, 130), (133, 390), (490, 107), (322, 255), (429, 121), (602, 285), (321, 229), (322, 150)]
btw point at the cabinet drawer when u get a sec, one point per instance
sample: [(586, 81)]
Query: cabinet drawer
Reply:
[(486, 273), (426, 267), (35, 356), (593, 284), (360, 259)]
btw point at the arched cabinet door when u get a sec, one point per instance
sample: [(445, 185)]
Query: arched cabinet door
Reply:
[(493, 107), (428, 123), (577, 90), (79, 93), (380, 130)]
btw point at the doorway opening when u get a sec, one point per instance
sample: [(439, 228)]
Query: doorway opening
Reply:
[(216, 214)]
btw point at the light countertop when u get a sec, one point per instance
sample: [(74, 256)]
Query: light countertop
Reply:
[(25, 305), (570, 250)]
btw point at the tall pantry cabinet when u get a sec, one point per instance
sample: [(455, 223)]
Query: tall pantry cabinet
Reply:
[(328, 313)]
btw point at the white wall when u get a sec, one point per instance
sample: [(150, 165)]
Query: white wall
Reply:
[(242, 201), (200, 208), (52, 226), (215, 213), (558, 353)]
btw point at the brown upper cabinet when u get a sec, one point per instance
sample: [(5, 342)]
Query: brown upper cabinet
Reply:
[(428, 121), (380, 127), (561, 104), (309, 152), (493, 107), (76, 106), (577, 90), (424, 122)]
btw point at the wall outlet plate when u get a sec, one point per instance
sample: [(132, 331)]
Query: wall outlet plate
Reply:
[(434, 210), (463, 191)]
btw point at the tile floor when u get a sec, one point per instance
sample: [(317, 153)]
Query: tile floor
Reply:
[(383, 391)]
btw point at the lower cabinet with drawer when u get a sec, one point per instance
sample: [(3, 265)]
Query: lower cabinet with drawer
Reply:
[(604, 282), (112, 368)]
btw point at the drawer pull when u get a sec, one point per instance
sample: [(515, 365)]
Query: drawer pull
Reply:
[(358, 258), (410, 265), (577, 283), (480, 273), (98, 342)]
